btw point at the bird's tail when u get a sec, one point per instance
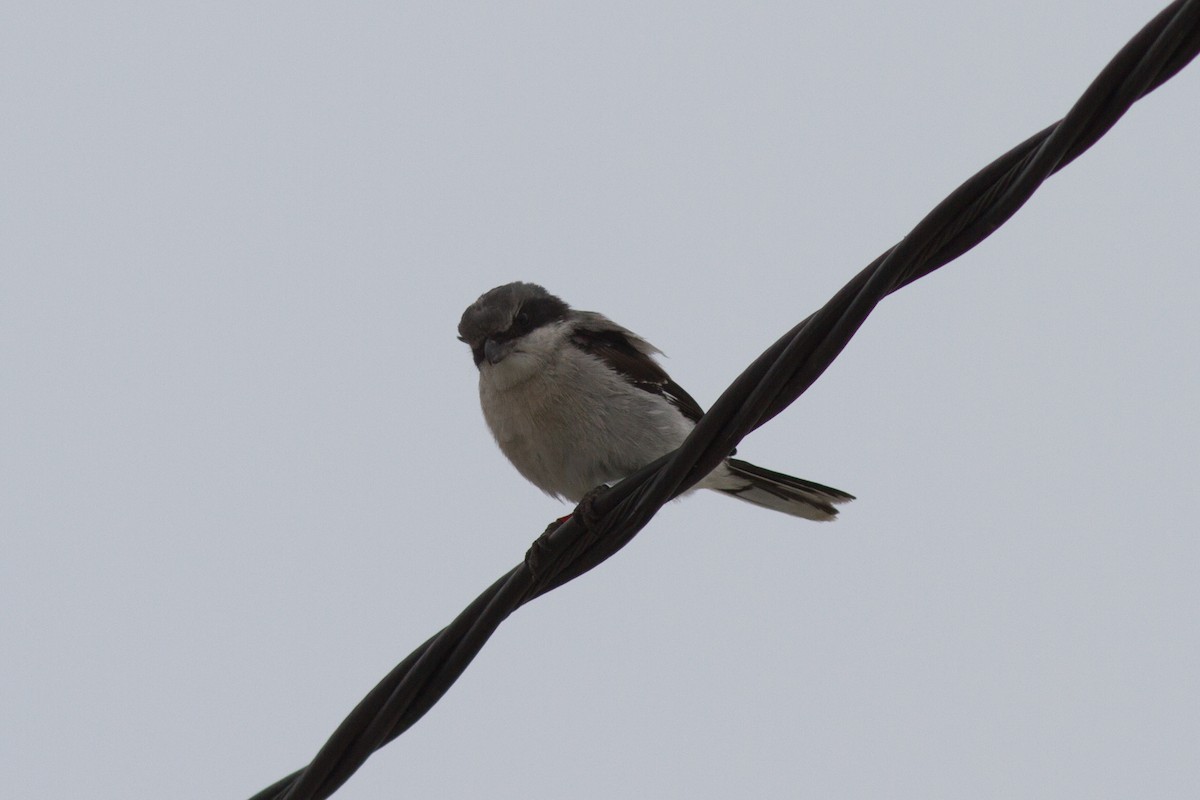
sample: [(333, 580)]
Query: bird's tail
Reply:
[(776, 491)]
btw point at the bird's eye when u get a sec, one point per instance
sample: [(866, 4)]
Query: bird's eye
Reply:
[(522, 319)]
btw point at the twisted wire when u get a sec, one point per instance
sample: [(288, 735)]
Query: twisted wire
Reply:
[(786, 369)]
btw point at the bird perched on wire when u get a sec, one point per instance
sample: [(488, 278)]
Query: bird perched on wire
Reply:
[(575, 401)]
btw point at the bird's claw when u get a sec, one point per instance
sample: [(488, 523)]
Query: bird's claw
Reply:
[(586, 516), (540, 549)]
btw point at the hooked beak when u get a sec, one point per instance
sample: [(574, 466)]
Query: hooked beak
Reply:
[(495, 351)]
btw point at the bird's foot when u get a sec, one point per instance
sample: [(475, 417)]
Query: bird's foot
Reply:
[(541, 553), (586, 514)]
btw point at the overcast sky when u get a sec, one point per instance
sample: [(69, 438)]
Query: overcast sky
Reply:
[(243, 470)]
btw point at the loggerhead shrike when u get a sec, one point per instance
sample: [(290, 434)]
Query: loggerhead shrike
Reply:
[(575, 401)]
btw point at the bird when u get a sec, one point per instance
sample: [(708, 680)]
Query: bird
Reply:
[(576, 401)]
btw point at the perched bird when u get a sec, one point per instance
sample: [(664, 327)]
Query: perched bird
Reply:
[(575, 401)]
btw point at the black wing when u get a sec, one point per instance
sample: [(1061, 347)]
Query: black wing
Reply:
[(615, 349)]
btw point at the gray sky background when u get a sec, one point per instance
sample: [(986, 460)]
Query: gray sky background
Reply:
[(244, 472)]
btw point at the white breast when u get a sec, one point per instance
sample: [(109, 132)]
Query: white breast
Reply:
[(569, 423)]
